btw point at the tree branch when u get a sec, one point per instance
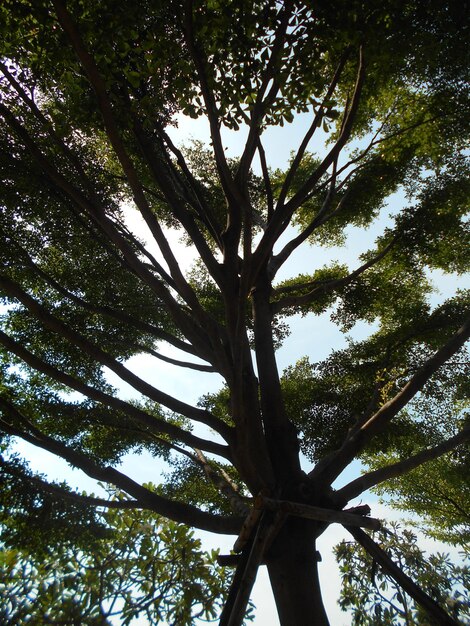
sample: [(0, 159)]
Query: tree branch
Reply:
[(311, 131), (277, 261), (180, 210), (116, 314), (58, 490), (266, 180), (204, 210), (212, 113), (175, 510), (262, 103), (328, 286), (186, 323), (332, 465), (283, 213), (371, 479), (154, 264), (222, 483), (46, 123), (194, 366), (434, 610), (332, 156), (375, 142), (112, 131), (153, 423), (75, 338)]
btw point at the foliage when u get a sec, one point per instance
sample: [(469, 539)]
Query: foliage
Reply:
[(437, 492), (33, 518), (376, 600), (146, 568)]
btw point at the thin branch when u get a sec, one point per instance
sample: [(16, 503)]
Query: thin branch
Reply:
[(310, 132), (266, 180), (58, 490), (75, 338), (204, 210), (56, 186), (332, 156), (262, 103), (330, 285), (169, 181), (154, 264), (65, 149), (212, 113), (283, 213), (199, 367), (319, 219), (107, 311), (218, 477), (332, 465), (371, 479), (112, 131), (323, 216), (445, 496), (375, 142), (186, 323)]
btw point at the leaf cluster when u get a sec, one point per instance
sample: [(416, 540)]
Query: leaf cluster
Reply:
[(375, 599), (146, 567)]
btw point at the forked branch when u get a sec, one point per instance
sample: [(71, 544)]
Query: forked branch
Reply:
[(313, 127), (283, 213), (327, 286)]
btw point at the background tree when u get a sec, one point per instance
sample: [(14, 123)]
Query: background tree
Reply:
[(143, 567), (89, 94)]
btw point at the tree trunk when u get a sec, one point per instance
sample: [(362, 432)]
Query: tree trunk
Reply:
[(293, 571)]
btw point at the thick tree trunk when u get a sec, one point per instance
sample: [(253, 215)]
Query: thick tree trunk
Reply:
[(293, 571)]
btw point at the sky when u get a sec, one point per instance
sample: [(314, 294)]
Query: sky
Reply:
[(312, 336)]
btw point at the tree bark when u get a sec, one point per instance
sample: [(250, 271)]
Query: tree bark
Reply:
[(293, 572)]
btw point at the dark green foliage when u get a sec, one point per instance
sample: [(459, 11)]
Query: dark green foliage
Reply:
[(35, 520)]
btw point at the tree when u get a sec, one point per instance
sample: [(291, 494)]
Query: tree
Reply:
[(142, 568), (89, 94)]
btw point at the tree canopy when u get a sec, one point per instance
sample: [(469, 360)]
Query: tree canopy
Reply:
[(90, 94)]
